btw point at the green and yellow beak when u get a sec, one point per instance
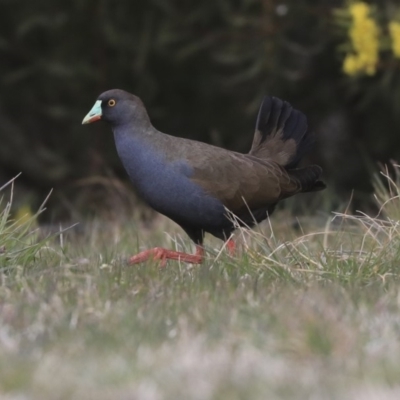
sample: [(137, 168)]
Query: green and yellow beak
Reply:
[(94, 114)]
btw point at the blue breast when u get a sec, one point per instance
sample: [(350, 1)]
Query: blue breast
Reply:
[(166, 186)]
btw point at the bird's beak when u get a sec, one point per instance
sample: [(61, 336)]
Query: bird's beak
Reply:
[(94, 114)]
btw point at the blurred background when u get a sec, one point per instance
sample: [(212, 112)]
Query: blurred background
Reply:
[(201, 69)]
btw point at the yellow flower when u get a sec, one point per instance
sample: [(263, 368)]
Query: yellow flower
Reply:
[(394, 29), (24, 214), (364, 35), (359, 10), (351, 65)]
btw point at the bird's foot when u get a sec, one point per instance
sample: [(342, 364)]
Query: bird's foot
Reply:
[(231, 246), (159, 253)]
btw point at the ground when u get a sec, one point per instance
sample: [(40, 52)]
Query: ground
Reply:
[(308, 309)]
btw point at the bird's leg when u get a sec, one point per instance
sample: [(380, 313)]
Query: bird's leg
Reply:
[(231, 246), (159, 253)]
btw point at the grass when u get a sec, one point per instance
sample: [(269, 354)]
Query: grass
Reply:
[(306, 313)]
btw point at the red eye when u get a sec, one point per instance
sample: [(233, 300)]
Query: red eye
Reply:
[(111, 103)]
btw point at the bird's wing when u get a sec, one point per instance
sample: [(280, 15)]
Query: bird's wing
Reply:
[(239, 180)]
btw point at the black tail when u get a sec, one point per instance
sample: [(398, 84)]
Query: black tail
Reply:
[(281, 133)]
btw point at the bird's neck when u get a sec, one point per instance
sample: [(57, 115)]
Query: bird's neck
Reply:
[(133, 140), (139, 121)]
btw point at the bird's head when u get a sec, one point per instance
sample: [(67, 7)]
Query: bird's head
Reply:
[(116, 107)]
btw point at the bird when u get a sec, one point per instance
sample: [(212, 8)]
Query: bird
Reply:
[(205, 188)]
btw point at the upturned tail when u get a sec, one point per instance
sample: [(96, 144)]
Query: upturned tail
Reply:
[(282, 136)]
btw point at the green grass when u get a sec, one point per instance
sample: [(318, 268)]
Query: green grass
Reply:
[(309, 313)]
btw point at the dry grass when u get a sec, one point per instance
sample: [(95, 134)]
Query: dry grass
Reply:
[(311, 313)]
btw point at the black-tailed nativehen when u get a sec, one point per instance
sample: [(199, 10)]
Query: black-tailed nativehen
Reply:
[(204, 188)]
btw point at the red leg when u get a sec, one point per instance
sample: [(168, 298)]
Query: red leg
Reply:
[(231, 246), (159, 253)]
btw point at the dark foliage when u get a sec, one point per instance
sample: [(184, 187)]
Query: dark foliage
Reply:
[(201, 69)]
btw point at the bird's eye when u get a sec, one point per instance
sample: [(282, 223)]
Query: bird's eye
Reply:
[(111, 103)]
